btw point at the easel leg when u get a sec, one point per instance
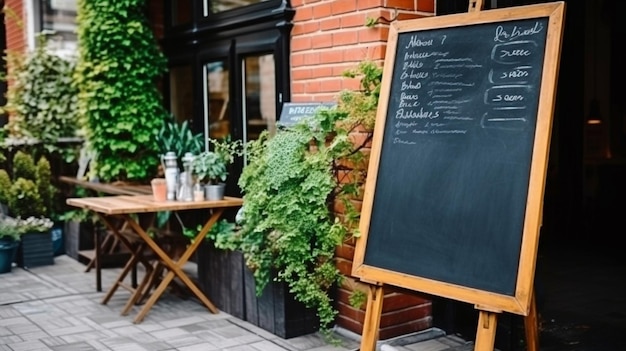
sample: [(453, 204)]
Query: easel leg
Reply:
[(372, 318), (486, 333), (531, 327)]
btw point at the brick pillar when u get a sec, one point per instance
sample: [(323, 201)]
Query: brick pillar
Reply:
[(329, 37), (15, 24)]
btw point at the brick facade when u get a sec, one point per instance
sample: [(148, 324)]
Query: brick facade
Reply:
[(15, 20), (329, 37)]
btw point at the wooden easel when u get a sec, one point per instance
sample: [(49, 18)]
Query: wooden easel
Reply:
[(380, 267), (485, 333)]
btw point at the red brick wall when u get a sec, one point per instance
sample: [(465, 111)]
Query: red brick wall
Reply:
[(330, 36), (15, 24)]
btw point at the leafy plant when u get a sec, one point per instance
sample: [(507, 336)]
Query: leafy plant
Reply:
[(118, 66), (24, 199), (209, 168), (5, 185), (212, 166), (179, 138), (221, 234), (10, 229), (34, 224), (41, 100), (30, 191), (289, 186)]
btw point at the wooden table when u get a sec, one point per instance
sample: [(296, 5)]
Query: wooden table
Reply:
[(110, 245), (108, 188), (125, 206)]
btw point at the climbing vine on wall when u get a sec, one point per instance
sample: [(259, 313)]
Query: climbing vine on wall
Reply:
[(118, 67)]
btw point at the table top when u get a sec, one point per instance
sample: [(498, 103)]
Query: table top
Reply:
[(109, 188), (126, 204)]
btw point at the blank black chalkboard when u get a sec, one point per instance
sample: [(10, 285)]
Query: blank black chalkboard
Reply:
[(451, 191)]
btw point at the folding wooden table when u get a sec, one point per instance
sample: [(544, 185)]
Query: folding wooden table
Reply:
[(125, 206)]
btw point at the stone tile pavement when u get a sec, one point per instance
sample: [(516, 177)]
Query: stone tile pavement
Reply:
[(57, 308)]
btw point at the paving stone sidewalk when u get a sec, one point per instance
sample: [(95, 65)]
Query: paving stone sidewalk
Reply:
[(57, 308)]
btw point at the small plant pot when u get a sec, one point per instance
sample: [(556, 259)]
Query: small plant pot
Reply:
[(214, 191), (8, 249)]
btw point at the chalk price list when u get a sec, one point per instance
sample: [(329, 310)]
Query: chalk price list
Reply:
[(448, 86)]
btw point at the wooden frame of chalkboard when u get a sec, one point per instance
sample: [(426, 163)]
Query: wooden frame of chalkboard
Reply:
[(454, 194)]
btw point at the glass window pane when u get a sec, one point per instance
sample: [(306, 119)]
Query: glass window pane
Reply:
[(260, 95), (181, 94), (59, 19), (217, 6), (217, 98)]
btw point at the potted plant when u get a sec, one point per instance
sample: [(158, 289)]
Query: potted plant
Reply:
[(298, 177), (179, 138), (35, 247), (31, 195), (9, 241), (210, 168)]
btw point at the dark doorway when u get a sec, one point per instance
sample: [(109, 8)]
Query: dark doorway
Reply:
[(579, 279)]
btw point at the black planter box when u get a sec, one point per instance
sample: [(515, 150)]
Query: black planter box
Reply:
[(78, 237), (35, 250), (229, 284)]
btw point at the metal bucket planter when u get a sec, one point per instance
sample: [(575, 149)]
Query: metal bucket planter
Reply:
[(8, 249), (214, 191)]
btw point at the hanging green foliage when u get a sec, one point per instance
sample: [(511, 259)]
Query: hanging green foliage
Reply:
[(288, 231), (118, 68), (41, 99)]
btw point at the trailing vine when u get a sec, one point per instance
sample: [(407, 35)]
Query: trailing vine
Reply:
[(289, 232), (119, 63)]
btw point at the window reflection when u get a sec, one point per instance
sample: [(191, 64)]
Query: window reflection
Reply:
[(217, 98), (181, 94), (59, 20), (260, 95), (217, 6)]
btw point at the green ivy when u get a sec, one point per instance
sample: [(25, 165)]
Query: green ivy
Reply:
[(42, 99), (117, 72), (288, 232)]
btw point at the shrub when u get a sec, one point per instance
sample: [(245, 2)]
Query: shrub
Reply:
[(30, 191), (5, 185), (24, 199), (41, 100), (24, 166)]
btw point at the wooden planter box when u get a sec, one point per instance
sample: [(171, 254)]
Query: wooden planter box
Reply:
[(227, 282), (35, 250), (78, 237)]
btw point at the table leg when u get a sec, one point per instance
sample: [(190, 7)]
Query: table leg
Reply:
[(175, 267), (136, 257), (97, 258)]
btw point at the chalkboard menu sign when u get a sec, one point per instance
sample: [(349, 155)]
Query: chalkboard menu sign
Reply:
[(454, 191)]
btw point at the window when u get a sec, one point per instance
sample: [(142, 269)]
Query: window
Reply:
[(217, 98), (259, 90), (181, 92), (217, 6), (58, 18)]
